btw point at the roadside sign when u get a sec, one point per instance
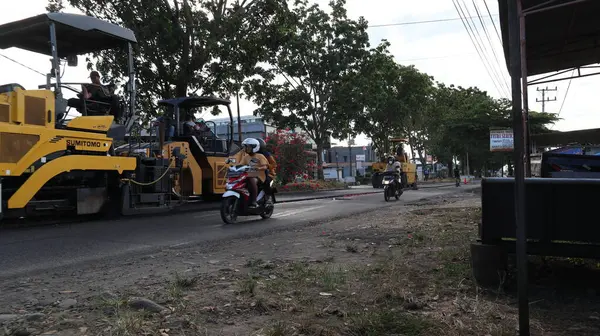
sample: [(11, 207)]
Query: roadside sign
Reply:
[(501, 140), (330, 174), (360, 157)]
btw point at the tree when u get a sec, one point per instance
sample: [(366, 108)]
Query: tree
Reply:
[(415, 89), (289, 150), (460, 123), (188, 47), (396, 100), (55, 6), (376, 88), (318, 58)]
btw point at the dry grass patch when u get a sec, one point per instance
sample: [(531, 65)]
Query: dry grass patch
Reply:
[(408, 275)]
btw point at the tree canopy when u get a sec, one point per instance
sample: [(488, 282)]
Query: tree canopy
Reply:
[(304, 87), (444, 121), (459, 124), (188, 47)]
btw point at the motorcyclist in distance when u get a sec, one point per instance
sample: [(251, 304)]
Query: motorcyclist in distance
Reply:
[(457, 174), (394, 165)]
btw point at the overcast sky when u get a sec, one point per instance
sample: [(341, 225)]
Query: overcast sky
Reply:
[(441, 49)]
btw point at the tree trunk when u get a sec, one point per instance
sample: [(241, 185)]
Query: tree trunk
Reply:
[(320, 175), (180, 89), (421, 158), (386, 147)]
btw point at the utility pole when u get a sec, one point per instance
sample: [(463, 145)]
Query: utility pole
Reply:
[(239, 118), (350, 143), (467, 164), (544, 100)]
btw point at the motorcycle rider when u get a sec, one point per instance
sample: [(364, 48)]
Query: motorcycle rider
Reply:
[(271, 171), (394, 165), (259, 165), (457, 174), (272, 163)]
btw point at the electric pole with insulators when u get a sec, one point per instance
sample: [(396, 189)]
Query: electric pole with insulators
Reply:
[(544, 100)]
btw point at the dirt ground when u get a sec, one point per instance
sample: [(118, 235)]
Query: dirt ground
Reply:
[(401, 270)]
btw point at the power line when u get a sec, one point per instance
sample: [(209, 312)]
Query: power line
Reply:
[(475, 44), (479, 43), (484, 50), (564, 98), (498, 63), (23, 65), (420, 22), (566, 93), (493, 22)]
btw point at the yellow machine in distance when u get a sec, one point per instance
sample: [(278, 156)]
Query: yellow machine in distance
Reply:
[(409, 170)]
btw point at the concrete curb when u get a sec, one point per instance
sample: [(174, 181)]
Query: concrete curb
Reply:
[(310, 192), (351, 194), (427, 186), (327, 196)]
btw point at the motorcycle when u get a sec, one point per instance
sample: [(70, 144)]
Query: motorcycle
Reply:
[(389, 187), (236, 199)]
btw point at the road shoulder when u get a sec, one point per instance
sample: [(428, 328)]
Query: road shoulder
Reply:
[(235, 287)]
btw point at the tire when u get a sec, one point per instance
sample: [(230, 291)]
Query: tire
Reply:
[(228, 207), (397, 194), (386, 195), (267, 213)]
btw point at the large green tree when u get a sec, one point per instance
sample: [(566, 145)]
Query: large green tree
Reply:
[(306, 84), (416, 89), (376, 88), (397, 101), (188, 47), (460, 123)]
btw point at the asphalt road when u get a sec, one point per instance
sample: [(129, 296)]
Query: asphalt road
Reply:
[(32, 250)]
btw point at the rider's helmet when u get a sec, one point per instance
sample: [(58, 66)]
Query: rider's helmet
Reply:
[(391, 160), (263, 145), (251, 145)]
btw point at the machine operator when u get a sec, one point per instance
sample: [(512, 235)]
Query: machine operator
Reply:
[(100, 92), (193, 127)]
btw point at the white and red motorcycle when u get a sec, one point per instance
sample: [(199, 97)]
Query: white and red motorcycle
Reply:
[(236, 199)]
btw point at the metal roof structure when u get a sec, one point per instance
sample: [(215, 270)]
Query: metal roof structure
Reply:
[(585, 136), (75, 34), (192, 102), (559, 35), (541, 36)]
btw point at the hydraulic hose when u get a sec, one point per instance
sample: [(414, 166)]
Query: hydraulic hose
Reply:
[(153, 182)]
